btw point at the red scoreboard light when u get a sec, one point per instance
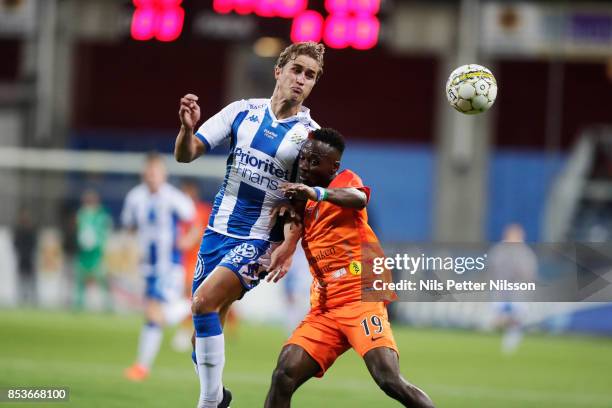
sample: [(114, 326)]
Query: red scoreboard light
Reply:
[(159, 19), (262, 8), (350, 23), (308, 26), (338, 31), (365, 32), (358, 7), (290, 8)]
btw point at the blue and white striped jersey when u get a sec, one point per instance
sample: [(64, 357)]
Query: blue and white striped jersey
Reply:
[(155, 216), (263, 153)]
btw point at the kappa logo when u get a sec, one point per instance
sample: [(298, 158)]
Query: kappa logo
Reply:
[(253, 118)]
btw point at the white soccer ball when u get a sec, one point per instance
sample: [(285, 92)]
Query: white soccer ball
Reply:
[(471, 89)]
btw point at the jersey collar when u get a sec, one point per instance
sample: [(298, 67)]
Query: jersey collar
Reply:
[(303, 115)]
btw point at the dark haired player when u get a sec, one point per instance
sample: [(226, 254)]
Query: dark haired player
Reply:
[(335, 231)]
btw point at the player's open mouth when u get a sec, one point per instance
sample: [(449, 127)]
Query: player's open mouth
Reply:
[(297, 90)]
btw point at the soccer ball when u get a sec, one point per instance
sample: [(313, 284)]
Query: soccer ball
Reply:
[(471, 89)]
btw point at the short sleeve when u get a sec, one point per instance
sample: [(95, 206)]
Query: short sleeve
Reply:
[(353, 180), (218, 128)]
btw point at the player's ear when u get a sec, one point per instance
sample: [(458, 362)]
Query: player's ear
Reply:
[(277, 71), (336, 167)]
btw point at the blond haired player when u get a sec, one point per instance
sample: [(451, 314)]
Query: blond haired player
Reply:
[(265, 137)]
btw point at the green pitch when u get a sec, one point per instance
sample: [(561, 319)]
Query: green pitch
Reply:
[(458, 369)]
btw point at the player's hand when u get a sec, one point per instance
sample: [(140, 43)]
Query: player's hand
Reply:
[(298, 191), (282, 210), (189, 111), (280, 262)]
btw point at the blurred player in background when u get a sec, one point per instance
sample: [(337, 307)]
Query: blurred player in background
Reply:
[(334, 234), (515, 261), (93, 226), (153, 210), (265, 136), (189, 244), (24, 241)]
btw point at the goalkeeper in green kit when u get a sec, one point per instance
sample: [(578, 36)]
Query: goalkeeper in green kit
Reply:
[(93, 227)]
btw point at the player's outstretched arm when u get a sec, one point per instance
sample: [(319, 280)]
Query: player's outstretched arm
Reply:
[(350, 197), (187, 146), (347, 197)]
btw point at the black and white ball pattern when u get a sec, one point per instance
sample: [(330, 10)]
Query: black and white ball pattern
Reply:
[(471, 89)]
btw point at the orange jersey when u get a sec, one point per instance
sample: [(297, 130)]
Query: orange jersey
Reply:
[(334, 240)]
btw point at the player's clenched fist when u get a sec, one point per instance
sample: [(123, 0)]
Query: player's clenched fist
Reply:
[(298, 191), (189, 112)]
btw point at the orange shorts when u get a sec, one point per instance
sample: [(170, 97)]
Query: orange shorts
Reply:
[(360, 325)]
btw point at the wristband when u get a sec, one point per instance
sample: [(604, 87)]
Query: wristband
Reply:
[(321, 193)]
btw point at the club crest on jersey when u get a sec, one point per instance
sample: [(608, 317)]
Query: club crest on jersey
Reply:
[(246, 250), (253, 118), (295, 137), (355, 268)]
